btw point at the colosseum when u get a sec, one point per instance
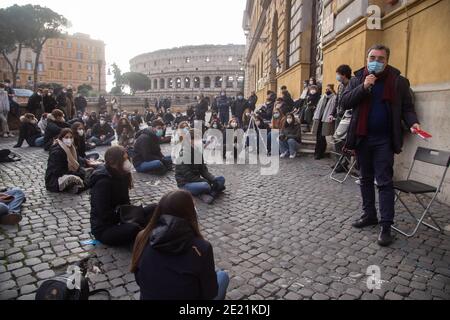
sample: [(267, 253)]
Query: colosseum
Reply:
[(182, 73)]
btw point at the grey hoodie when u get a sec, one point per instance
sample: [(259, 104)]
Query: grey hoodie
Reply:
[(4, 102)]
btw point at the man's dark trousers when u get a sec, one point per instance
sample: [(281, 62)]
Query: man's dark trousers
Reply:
[(376, 160)]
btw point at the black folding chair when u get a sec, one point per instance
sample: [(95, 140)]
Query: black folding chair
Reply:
[(345, 156), (415, 188)]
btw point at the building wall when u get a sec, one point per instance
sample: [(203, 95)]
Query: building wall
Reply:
[(192, 66), (71, 61), (268, 27), (418, 37)]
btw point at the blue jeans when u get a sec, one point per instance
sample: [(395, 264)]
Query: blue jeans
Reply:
[(199, 188), (39, 142), (151, 166), (291, 146), (99, 142), (13, 206), (223, 280)]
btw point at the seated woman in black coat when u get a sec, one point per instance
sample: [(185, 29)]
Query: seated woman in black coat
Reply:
[(79, 134), (110, 186), (172, 260), (64, 173), (55, 123), (29, 132)]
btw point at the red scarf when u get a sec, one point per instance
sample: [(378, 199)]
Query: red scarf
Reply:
[(389, 76)]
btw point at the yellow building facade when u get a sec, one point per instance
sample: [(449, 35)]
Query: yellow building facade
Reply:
[(70, 61), (278, 45), (417, 32)]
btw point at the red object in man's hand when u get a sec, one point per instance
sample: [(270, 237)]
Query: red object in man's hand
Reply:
[(422, 134)]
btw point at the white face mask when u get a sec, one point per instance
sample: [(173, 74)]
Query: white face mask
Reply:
[(290, 121), (81, 132), (127, 166), (68, 142), (248, 114), (233, 124), (102, 123)]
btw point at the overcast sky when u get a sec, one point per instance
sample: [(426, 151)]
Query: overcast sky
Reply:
[(132, 27)]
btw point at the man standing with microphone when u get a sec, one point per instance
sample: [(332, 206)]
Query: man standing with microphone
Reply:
[(381, 99)]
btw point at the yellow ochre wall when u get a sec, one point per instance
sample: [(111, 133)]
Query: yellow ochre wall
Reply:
[(425, 60)]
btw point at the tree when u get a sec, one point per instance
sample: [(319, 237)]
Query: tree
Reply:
[(137, 81), (14, 35), (85, 89), (118, 80), (44, 24)]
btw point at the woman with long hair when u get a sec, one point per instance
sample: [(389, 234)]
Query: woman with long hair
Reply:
[(64, 172), (80, 143), (125, 133), (110, 191), (172, 260)]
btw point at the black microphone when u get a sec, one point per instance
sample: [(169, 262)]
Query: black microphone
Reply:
[(371, 86)]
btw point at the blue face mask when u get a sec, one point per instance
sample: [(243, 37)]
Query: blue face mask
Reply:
[(160, 133), (375, 66), (338, 78)]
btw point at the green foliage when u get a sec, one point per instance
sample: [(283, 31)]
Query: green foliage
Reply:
[(137, 81), (85, 89)]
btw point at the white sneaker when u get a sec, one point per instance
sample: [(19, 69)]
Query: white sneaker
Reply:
[(284, 155), (293, 156), (11, 135), (5, 135)]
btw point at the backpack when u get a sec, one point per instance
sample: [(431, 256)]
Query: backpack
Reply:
[(63, 288)]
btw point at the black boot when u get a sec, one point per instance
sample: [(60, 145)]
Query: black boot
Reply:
[(365, 222), (385, 239)]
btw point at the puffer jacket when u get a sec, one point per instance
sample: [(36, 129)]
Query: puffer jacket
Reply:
[(28, 132), (108, 192)]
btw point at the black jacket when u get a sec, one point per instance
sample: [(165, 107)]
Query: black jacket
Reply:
[(292, 131), (402, 108), (28, 132), (201, 109), (147, 148), (288, 101), (80, 103), (49, 103), (189, 173), (252, 100), (238, 108), (177, 265), (108, 192), (52, 131), (57, 167), (105, 130), (34, 103)]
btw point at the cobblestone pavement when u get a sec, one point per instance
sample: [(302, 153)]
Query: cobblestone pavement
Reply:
[(280, 237)]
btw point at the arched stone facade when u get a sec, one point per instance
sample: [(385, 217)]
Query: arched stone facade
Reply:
[(183, 73)]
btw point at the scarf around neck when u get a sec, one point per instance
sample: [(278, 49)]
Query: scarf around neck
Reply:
[(71, 156), (389, 76)]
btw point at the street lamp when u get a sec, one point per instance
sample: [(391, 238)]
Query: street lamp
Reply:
[(100, 64)]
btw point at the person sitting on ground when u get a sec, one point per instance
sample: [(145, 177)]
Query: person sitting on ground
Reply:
[(102, 133), (55, 123), (136, 120), (168, 118), (290, 137), (81, 145), (148, 157), (29, 132), (110, 189), (171, 259), (42, 124), (64, 173), (246, 118), (90, 123), (11, 201), (196, 178), (125, 133)]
